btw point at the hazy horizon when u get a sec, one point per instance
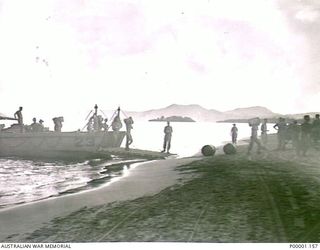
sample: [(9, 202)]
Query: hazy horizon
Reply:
[(78, 119), (178, 104)]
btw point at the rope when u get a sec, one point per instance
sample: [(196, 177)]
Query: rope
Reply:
[(85, 126), (103, 113), (105, 116), (124, 113), (115, 112), (88, 115)]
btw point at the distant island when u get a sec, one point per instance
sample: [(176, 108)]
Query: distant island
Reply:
[(172, 119), (234, 121), (201, 114)]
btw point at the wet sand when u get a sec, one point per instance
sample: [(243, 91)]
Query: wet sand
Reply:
[(144, 179)]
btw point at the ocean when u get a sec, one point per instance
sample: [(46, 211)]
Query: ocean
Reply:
[(23, 181)]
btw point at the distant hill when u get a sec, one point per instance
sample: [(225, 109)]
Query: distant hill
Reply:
[(273, 118), (201, 114), (196, 112), (247, 113)]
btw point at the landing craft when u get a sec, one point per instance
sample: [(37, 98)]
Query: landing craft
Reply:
[(59, 145)]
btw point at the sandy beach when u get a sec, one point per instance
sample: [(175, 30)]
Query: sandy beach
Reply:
[(268, 197), (145, 179)]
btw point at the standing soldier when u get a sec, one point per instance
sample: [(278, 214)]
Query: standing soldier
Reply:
[(90, 124), (58, 123), (128, 122), (167, 138), (294, 133), (100, 123), (254, 124), (35, 127), (305, 140), (234, 134), (105, 125), (264, 130), (41, 125), (316, 130), (19, 117), (95, 122), (281, 126)]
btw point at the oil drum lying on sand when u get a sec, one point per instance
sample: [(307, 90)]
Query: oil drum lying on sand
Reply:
[(208, 150), (229, 149)]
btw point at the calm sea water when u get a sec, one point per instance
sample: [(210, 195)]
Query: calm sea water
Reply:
[(187, 138), (24, 181)]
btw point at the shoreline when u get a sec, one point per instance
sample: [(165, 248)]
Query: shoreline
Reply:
[(91, 184), (151, 176), (145, 180), (269, 197)]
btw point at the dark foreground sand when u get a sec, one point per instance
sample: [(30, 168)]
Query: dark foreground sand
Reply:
[(144, 179), (271, 197)]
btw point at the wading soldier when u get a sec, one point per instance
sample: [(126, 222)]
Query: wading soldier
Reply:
[(128, 122)]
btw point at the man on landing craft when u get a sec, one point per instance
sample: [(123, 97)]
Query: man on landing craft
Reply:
[(19, 117)]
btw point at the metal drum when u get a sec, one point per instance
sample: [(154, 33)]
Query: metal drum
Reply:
[(229, 149), (208, 150)]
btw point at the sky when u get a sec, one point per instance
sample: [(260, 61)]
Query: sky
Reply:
[(61, 57)]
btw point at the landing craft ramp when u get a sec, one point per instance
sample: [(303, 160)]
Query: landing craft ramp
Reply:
[(133, 153)]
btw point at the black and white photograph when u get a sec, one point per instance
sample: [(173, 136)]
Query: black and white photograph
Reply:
[(175, 121)]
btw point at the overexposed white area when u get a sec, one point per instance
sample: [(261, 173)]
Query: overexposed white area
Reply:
[(60, 57), (187, 138)]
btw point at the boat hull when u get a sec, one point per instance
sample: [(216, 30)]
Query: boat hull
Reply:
[(58, 144)]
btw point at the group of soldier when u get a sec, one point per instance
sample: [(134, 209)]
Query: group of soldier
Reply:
[(302, 136), (167, 135), (95, 123), (36, 126)]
